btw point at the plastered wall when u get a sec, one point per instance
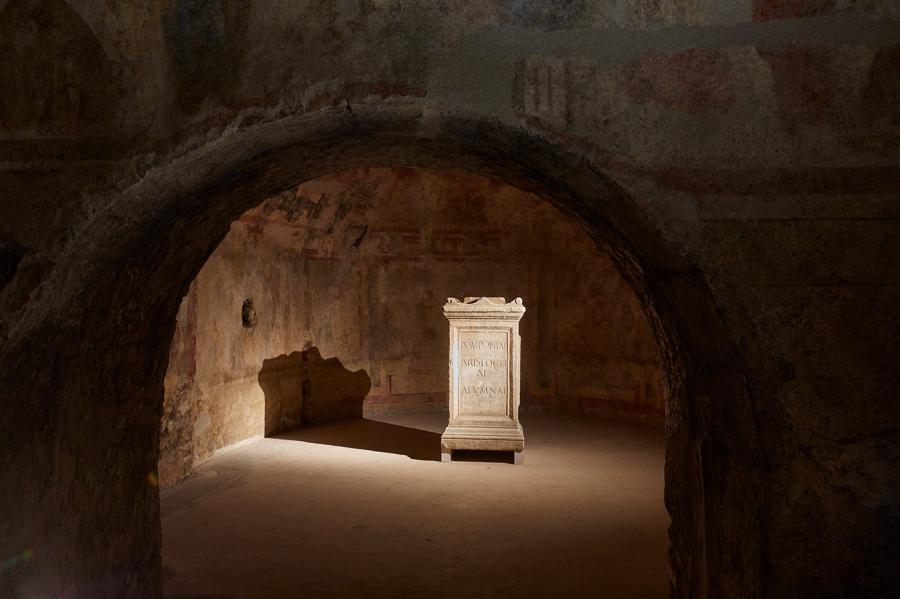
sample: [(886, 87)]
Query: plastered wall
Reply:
[(356, 267), (740, 155)]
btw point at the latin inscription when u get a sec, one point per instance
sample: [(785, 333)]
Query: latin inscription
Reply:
[(483, 372), (482, 344)]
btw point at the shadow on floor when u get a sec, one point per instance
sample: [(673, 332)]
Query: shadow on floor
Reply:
[(478, 455), (373, 436)]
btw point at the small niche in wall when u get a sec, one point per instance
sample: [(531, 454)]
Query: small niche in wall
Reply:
[(248, 314)]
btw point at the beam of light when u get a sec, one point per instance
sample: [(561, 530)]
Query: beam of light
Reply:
[(17, 559)]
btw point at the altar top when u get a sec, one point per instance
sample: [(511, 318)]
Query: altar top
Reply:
[(473, 307)]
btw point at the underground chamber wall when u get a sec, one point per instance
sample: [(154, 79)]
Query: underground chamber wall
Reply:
[(144, 298), (353, 268), (343, 279)]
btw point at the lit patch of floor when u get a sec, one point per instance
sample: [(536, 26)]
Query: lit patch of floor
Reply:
[(364, 509)]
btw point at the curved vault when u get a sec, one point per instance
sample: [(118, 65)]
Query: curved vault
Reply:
[(108, 313)]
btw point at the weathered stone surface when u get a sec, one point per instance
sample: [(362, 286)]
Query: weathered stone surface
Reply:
[(764, 10), (303, 388), (341, 262), (485, 375), (121, 204)]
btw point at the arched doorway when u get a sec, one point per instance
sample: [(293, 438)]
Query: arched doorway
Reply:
[(111, 309), (317, 323)]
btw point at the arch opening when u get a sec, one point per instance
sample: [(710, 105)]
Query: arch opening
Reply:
[(123, 286), (347, 367), (355, 267)]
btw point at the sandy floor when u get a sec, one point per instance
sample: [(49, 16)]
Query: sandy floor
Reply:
[(364, 509)]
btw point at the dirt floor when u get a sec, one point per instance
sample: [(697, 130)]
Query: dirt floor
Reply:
[(364, 509)]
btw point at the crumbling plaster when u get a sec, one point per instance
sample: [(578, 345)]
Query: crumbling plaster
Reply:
[(355, 267), (740, 165)]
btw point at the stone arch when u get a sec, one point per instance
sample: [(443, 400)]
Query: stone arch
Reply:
[(107, 311)]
